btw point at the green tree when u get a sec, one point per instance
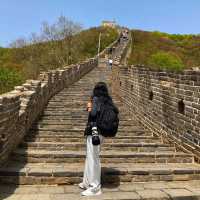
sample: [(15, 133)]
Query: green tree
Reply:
[(166, 60)]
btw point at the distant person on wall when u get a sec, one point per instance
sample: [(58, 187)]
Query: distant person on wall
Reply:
[(110, 63), (110, 51)]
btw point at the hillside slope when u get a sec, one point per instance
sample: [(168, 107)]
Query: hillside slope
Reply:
[(19, 64), (157, 49)]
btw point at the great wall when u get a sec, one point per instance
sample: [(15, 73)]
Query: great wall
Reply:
[(154, 156)]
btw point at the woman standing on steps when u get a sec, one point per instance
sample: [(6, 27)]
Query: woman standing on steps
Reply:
[(92, 173)]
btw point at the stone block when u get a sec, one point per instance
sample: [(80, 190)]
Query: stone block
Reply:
[(176, 194), (153, 194)]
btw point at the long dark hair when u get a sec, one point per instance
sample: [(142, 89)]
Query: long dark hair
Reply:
[(101, 90)]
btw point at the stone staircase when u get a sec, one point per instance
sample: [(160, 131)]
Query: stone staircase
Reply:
[(136, 164), (53, 152)]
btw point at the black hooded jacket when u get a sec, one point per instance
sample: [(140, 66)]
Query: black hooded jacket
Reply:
[(96, 105)]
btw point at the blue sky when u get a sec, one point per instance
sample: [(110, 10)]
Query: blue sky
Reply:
[(21, 17)]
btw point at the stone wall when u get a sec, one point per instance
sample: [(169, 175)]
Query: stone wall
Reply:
[(166, 103), (22, 106)]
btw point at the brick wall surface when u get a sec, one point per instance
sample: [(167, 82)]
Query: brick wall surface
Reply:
[(166, 103)]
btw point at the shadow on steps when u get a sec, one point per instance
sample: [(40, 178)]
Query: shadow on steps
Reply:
[(110, 177)]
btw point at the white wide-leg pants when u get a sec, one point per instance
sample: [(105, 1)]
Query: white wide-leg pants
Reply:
[(92, 172)]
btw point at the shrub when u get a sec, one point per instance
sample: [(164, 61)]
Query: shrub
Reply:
[(166, 60), (9, 78)]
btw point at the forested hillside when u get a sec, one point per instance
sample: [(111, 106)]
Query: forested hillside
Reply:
[(58, 45), (165, 51), (64, 43)]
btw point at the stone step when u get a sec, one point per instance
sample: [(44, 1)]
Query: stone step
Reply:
[(79, 124), (75, 129), (80, 128), (67, 114), (74, 117), (77, 100), (78, 109), (74, 109), (135, 191), (73, 106), (78, 115), (61, 117), (137, 147), (153, 190), (81, 99), (82, 92), (107, 156), (78, 96), (50, 173), (75, 133), (64, 138), (68, 95), (63, 103), (58, 103)]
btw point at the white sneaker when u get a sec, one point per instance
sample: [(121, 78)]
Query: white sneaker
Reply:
[(91, 192), (83, 186)]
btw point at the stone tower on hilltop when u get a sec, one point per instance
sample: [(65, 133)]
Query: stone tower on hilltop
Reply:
[(109, 24)]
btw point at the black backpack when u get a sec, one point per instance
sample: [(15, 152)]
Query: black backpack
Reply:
[(107, 119)]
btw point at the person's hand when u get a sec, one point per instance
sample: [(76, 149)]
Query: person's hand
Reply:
[(89, 106)]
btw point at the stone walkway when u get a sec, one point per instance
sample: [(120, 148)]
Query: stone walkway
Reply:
[(149, 191)]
